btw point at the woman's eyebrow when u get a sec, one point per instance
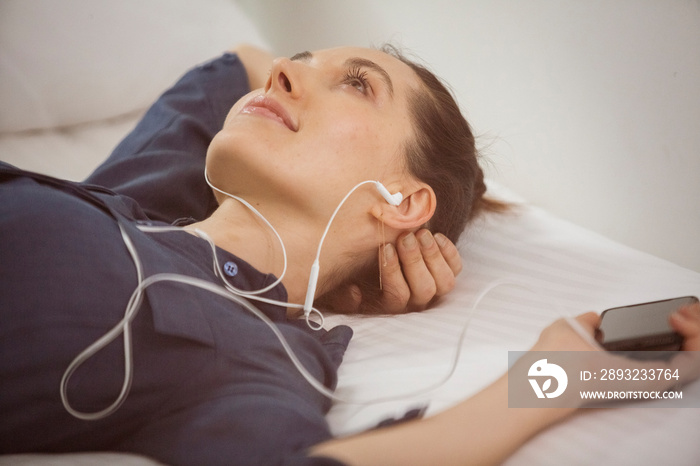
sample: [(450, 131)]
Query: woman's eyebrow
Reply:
[(302, 56), (364, 63)]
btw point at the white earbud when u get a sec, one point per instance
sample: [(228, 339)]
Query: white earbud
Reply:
[(393, 199)]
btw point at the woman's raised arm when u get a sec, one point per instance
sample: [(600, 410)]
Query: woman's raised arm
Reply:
[(257, 63)]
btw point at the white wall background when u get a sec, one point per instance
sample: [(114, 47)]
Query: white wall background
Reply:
[(590, 109)]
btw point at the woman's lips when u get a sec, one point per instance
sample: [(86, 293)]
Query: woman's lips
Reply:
[(269, 108)]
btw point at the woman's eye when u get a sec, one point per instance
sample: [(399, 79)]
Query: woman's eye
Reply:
[(357, 84), (358, 79)]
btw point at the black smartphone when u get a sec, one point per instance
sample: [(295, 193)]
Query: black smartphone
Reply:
[(642, 327)]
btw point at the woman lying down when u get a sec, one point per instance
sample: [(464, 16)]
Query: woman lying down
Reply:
[(138, 307)]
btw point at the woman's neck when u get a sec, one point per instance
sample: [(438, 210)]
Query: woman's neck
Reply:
[(236, 229)]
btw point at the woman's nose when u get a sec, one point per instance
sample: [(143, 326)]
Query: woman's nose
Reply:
[(285, 77)]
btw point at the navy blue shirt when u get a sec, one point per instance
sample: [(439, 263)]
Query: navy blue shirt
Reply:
[(212, 384)]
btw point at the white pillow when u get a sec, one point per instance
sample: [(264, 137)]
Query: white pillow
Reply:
[(74, 61)]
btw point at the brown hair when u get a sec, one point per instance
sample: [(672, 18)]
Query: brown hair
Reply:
[(443, 155)]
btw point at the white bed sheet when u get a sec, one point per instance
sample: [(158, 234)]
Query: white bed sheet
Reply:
[(561, 270), (567, 269)]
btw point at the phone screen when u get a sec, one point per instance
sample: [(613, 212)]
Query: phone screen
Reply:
[(640, 326)]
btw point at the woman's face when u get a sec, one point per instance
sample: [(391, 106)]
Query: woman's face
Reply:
[(324, 122)]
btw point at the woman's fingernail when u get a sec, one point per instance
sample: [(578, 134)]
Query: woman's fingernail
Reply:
[(410, 241), (678, 316), (389, 251), (440, 239), (426, 239)]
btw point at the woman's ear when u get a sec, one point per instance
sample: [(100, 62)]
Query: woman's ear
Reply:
[(416, 209)]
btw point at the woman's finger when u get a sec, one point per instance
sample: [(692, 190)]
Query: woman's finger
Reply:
[(395, 291), (443, 274), (686, 321), (589, 321), (418, 277), (449, 252)]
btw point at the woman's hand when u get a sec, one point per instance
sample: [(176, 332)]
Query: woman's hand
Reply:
[(561, 337), (419, 269), (415, 272)]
